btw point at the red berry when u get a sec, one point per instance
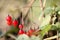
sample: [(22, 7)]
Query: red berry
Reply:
[(28, 33), (8, 18), (31, 30), (15, 23), (21, 32), (9, 23), (21, 26)]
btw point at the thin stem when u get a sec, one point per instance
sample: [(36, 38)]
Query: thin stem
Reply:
[(12, 36), (53, 37), (44, 3), (41, 17), (25, 10), (22, 21), (57, 36), (42, 6)]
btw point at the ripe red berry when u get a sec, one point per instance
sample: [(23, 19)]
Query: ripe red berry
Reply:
[(21, 32), (9, 23), (31, 30), (21, 26), (15, 23), (29, 33), (8, 18)]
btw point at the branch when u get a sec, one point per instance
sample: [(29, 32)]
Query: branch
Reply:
[(42, 9), (12, 36), (51, 38), (27, 7), (44, 3), (57, 35), (41, 5), (42, 14)]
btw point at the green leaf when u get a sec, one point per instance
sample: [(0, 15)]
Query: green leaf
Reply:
[(23, 37), (13, 30), (57, 8), (45, 21), (46, 29), (35, 38), (48, 10), (59, 12), (58, 26), (54, 27)]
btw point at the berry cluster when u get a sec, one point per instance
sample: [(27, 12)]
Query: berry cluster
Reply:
[(10, 22)]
